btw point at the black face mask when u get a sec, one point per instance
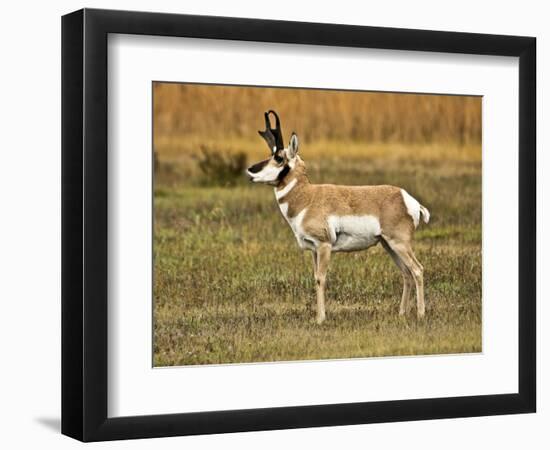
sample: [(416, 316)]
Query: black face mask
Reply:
[(283, 173)]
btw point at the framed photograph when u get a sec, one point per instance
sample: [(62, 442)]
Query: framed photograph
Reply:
[(273, 224)]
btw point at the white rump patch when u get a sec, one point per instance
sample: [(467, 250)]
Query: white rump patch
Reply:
[(351, 233), (280, 194), (413, 207)]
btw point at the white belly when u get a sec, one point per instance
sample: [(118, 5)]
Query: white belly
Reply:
[(352, 233)]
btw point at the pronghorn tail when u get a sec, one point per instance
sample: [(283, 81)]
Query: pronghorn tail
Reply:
[(425, 214), (415, 209)]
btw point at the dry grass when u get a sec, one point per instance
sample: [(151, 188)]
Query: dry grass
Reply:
[(235, 112), (231, 284)]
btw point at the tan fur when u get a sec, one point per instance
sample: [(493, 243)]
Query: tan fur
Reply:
[(322, 200)]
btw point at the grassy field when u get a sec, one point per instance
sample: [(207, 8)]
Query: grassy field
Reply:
[(232, 286)]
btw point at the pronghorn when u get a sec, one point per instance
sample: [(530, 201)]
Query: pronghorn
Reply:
[(328, 218)]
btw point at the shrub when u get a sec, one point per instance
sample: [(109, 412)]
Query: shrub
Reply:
[(221, 168)]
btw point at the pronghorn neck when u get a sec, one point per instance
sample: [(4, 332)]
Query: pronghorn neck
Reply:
[(294, 177)]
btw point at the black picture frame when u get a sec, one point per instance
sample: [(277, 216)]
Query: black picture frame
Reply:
[(84, 224)]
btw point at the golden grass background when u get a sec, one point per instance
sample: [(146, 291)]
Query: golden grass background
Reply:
[(231, 285), (236, 112)]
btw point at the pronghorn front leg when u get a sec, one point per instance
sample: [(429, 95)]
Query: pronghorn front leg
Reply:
[(323, 260), (314, 253)]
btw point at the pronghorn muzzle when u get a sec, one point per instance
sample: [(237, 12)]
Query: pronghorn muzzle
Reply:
[(255, 168)]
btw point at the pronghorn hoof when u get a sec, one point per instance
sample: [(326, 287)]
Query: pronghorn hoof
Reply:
[(320, 320), (420, 315)]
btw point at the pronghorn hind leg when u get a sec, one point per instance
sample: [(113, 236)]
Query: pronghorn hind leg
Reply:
[(314, 254), (405, 253), (323, 260), (416, 260), (418, 275), (408, 280)]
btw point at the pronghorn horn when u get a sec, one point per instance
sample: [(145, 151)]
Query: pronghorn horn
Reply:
[(272, 136), (277, 132), (268, 136)]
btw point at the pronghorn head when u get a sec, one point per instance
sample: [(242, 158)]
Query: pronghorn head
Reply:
[(274, 169)]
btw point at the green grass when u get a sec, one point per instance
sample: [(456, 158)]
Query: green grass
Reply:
[(232, 286)]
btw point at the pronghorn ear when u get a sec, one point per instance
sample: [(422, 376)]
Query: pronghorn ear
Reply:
[(293, 146)]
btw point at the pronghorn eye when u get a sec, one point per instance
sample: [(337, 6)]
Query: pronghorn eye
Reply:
[(278, 159)]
